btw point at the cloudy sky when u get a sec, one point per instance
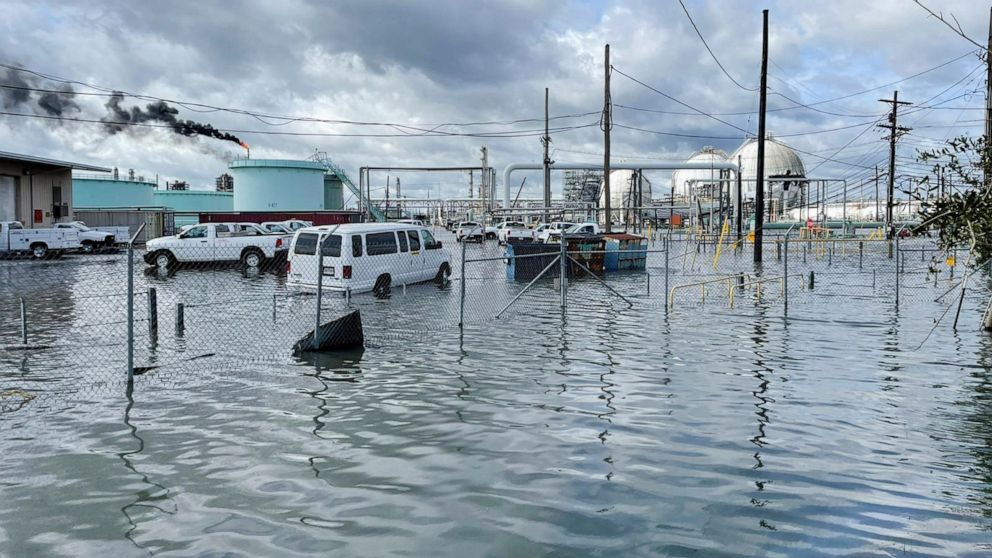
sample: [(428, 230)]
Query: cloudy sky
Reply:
[(420, 64)]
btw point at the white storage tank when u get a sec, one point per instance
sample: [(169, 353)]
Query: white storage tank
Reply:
[(278, 185)]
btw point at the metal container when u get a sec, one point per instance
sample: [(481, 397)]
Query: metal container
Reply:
[(625, 251), (587, 250), (278, 185), (525, 269)]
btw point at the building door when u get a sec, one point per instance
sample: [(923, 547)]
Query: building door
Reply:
[(8, 198)]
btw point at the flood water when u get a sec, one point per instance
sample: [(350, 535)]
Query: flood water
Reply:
[(847, 429)]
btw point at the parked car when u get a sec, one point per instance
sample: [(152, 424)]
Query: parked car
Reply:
[(276, 227), (291, 225), (470, 230), (513, 230), (366, 257), (215, 242), (94, 239), (417, 222), (553, 228), (40, 243)]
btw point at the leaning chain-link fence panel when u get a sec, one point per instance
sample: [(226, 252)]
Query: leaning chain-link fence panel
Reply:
[(240, 298)]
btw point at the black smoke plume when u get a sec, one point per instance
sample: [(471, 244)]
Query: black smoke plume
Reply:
[(119, 118), (59, 103), (19, 89)]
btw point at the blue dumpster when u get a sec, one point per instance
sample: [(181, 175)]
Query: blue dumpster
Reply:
[(625, 251)]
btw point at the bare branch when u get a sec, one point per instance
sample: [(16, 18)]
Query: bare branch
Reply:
[(957, 30)]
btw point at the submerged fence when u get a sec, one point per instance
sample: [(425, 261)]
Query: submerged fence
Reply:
[(90, 323)]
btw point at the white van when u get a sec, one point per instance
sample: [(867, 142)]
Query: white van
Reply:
[(366, 257)]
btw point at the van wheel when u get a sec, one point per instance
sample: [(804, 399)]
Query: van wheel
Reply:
[(443, 273), (382, 286), (39, 250), (88, 247), (165, 260), (252, 257)]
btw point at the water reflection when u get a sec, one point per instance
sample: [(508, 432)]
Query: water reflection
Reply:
[(762, 373), (150, 497)]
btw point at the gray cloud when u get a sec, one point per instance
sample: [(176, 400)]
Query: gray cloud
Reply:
[(456, 61)]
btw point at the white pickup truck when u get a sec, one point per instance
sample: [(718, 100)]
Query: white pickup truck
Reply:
[(93, 239), (215, 242), (554, 236), (552, 231), (513, 230), (40, 243)]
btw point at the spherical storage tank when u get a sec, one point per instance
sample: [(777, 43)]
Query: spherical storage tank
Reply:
[(278, 185), (685, 180), (780, 160), (623, 191), (93, 191)]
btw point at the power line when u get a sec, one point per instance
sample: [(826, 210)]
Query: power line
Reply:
[(709, 50), (686, 105), (506, 134), (260, 116)]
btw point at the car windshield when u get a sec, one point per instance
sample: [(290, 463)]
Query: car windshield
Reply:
[(81, 227), (574, 228)]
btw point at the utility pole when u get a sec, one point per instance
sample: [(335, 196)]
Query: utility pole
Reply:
[(606, 125), (399, 198), (546, 140), (759, 191), (739, 210), (471, 177), (877, 213), (894, 131), (387, 197), (988, 109)]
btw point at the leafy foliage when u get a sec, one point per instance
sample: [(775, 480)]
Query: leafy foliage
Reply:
[(962, 215)]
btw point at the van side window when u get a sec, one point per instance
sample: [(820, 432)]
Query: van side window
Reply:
[(402, 237), (331, 247), (380, 243), (429, 243), (306, 244), (356, 245), (414, 241)]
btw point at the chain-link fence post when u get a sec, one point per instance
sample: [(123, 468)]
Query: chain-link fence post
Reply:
[(563, 274), (24, 322), (898, 271), (320, 288), (130, 316), (785, 276), (668, 248), (461, 304)]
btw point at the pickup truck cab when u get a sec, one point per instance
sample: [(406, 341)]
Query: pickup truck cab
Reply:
[(553, 231), (39, 243), (364, 257), (470, 230), (215, 242), (93, 239), (584, 228)]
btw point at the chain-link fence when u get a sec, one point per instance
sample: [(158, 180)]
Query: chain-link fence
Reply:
[(218, 298)]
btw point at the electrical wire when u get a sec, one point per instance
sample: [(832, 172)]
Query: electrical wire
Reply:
[(709, 50), (507, 134), (686, 105)]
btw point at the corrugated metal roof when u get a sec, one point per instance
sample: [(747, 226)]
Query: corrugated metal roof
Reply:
[(8, 156)]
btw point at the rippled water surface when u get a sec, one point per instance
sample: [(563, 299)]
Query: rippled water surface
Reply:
[(843, 430)]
